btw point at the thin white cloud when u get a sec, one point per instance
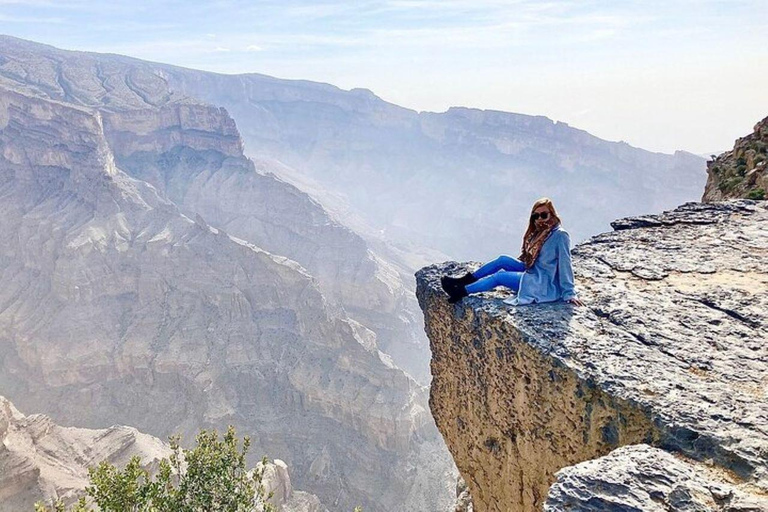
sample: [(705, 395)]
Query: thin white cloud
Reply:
[(254, 48)]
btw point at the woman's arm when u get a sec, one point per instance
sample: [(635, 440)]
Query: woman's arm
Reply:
[(564, 268)]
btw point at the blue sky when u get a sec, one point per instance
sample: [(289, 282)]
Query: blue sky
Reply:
[(662, 75)]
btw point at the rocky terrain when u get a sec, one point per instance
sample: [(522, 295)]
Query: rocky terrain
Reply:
[(650, 397), (741, 172), (643, 478), (192, 153), (152, 275), (41, 461), (481, 169), (285, 498), (116, 308)]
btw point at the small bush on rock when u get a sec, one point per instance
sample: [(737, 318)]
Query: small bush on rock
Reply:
[(212, 476)]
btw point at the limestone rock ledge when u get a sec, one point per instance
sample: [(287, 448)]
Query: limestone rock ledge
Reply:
[(644, 478), (669, 351)]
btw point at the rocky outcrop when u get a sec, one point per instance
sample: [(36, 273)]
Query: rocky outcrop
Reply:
[(42, 461), (463, 498), (192, 154), (115, 308), (277, 484), (669, 351), (643, 478), (741, 172)]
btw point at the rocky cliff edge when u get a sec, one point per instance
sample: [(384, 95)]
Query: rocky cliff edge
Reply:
[(741, 172), (650, 397)]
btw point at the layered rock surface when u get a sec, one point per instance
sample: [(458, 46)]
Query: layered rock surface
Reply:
[(642, 478), (115, 308), (741, 172), (670, 351), (192, 154)]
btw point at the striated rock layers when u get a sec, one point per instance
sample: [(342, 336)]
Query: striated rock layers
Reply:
[(192, 154), (669, 356), (43, 461), (741, 172), (115, 308)]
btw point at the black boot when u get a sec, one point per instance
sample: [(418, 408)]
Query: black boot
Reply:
[(451, 282), (455, 288), (457, 293)]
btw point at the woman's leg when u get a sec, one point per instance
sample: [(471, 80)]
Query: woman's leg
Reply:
[(500, 278), (500, 263)]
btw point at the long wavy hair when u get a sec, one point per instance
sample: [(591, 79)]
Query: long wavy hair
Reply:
[(534, 238)]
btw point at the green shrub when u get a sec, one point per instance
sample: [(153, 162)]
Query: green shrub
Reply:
[(730, 184), (757, 193), (211, 476)]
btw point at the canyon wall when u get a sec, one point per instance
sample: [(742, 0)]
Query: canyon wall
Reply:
[(192, 153), (116, 308)]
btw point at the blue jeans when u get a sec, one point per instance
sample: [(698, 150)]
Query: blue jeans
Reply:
[(503, 271)]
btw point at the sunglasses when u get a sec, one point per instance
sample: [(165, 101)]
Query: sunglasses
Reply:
[(543, 215)]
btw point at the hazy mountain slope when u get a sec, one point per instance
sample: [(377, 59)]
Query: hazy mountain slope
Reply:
[(116, 308), (461, 181), (192, 153)]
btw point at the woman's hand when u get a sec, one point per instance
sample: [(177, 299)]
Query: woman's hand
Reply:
[(576, 301)]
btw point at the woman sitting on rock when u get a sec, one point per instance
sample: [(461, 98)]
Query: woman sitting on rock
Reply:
[(542, 274)]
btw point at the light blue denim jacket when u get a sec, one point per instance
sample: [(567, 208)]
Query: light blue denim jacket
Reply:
[(551, 276)]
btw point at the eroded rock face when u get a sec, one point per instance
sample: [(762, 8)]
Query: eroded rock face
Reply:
[(42, 461), (741, 172), (670, 350), (192, 154), (118, 309)]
